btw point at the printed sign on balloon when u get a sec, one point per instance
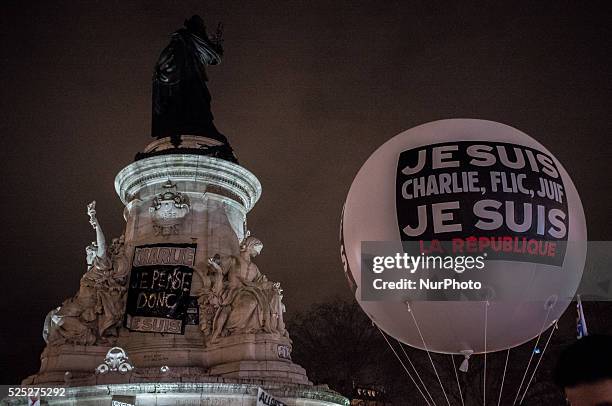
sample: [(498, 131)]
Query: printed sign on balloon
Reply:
[(470, 197)]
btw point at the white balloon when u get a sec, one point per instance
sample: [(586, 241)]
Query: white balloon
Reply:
[(370, 214)]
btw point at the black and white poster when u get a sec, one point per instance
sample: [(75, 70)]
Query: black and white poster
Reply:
[(158, 294)]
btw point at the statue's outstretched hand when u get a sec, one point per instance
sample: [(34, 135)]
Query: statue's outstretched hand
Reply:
[(214, 263), (219, 33)]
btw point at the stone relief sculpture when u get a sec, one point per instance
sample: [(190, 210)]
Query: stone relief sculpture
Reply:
[(168, 211), (116, 360), (236, 298), (93, 315)]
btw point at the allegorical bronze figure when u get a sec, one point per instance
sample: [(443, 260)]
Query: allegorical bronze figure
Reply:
[(181, 100)]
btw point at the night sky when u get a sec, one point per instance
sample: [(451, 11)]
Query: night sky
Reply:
[(306, 92)]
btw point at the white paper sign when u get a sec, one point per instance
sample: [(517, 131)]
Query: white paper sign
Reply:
[(265, 399)]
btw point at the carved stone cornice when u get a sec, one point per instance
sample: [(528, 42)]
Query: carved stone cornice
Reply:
[(210, 175)]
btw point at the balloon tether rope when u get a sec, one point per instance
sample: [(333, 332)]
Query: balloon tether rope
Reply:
[(403, 365), (501, 389), (538, 363), (457, 378), (427, 350), (484, 375), (415, 371), (518, 392)]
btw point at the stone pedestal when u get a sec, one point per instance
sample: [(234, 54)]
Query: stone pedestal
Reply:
[(249, 356), (175, 199)]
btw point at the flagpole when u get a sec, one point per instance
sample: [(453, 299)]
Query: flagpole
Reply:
[(581, 325)]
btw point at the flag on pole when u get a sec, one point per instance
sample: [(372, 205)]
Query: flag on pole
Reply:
[(581, 325)]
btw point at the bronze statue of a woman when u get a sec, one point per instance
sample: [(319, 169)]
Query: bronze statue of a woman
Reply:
[(181, 101)]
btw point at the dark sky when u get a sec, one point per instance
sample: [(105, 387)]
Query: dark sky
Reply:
[(306, 92)]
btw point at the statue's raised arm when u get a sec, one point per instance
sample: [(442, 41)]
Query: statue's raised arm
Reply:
[(98, 248)]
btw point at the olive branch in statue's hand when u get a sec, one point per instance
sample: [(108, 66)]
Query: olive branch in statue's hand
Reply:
[(218, 36)]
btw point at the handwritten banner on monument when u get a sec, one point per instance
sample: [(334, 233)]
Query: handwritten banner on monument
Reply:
[(158, 294)]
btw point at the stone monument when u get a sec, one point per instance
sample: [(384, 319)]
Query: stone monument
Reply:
[(175, 310)]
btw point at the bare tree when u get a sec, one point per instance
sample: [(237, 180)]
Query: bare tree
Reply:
[(338, 345)]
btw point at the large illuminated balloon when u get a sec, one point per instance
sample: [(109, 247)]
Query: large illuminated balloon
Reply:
[(384, 205)]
